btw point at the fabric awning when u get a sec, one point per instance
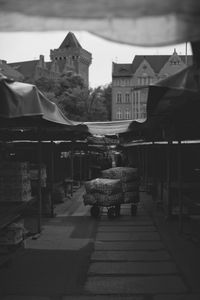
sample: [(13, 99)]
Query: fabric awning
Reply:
[(24, 108), (26, 100), (108, 128), (173, 105), (136, 22)]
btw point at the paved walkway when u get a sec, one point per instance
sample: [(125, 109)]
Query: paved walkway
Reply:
[(131, 258)]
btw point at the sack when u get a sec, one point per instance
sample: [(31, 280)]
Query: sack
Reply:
[(103, 186), (102, 200), (123, 173)]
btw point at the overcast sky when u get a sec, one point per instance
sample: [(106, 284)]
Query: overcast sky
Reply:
[(22, 46)]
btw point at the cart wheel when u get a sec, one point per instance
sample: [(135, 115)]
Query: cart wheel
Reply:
[(95, 211), (133, 210), (117, 210), (111, 212)]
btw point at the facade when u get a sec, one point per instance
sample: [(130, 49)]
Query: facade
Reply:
[(130, 82), (70, 56)]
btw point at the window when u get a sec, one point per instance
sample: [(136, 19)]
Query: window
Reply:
[(127, 114), (119, 114), (127, 98), (119, 98)]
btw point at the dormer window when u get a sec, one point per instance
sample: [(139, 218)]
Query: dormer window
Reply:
[(175, 59)]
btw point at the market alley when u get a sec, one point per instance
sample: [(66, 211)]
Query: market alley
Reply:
[(78, 257)]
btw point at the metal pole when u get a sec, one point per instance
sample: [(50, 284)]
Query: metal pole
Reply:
[(180, 201), (52, 177), (39, 185), (72, 169), (80, 168), (169, 204)]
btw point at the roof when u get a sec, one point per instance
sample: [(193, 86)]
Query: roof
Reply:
[(155, 61), (10, 72), (27, 68), (70, 41), (122, 70)]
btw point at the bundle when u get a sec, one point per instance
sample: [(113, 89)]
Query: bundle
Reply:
[(129, 179), (103, 192), (102, 199), (103, 186), (125, 174)]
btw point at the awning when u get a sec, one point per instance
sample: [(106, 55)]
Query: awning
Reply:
[(108, 128), (136, 22), (24, 109), (173, 105)]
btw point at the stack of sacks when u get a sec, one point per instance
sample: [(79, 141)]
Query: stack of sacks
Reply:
[(103, 192), (130, 182), (15, 182)]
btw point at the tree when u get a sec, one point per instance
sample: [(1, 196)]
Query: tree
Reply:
[(76, 101)]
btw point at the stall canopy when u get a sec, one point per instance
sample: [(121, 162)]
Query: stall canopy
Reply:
[(24, 106), (173, 107), (110, 128), (138, 22)]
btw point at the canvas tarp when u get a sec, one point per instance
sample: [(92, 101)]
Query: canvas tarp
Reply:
[(136, 22), (173, 106), (108, 128), (23, 105)]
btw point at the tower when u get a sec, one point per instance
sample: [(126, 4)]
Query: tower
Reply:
[(72, 57)]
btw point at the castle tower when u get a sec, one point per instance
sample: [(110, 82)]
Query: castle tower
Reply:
[(71, 56)]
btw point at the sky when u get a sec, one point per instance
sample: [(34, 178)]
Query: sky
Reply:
[(23, 46)]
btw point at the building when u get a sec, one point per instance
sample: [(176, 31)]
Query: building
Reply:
[(70, 56), (129, 95), (10, 72)]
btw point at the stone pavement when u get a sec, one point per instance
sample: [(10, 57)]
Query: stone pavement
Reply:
[(130, 261), (134, 258)]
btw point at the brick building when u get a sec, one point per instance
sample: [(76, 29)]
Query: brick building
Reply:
[(70, 56), (128, 97)]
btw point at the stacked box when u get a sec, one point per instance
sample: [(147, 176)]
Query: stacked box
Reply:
[(103, 192), (34, 174), (15, 182), (130, 182)]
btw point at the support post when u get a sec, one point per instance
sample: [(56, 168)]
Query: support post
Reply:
[(52, 177), (180, 200), (168, 169), (39, 185)]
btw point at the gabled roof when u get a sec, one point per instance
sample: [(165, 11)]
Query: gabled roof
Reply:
[(122, 69), (70, 41), (155, 61), (27, 68), (10, 72)]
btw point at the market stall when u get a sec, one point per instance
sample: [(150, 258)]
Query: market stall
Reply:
[(27, 115)]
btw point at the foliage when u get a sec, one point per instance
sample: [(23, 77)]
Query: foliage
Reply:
[(76, 101)]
